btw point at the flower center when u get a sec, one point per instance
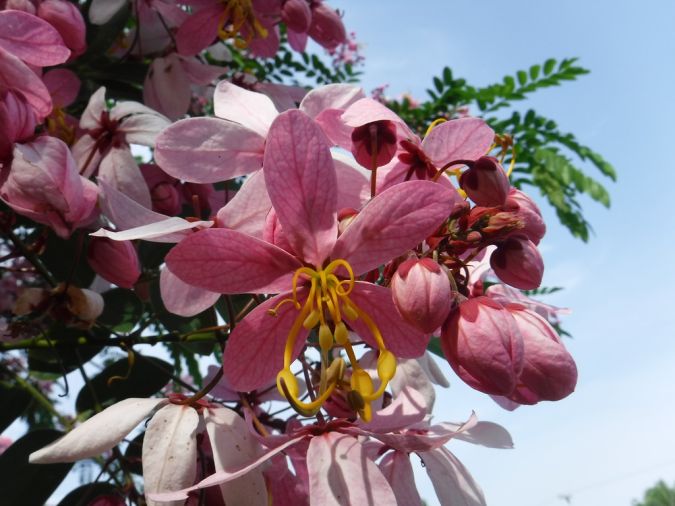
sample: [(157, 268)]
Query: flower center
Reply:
[(238, 22), (327, 306)]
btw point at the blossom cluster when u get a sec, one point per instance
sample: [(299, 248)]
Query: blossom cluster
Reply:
[(357, 243)]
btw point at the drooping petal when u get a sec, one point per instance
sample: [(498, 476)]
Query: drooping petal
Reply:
[(167, 88), (488, 434), (458, 139), (396, 467), (183, 299), (301, 182), (31, 39), (208, 150), (170, 450), (395, 221), (255, 349), (119, 169), (248, 209), (234, 447), (251, 109), (101, 432), (401, 338), (227, 261), (340, 474), (169, 230), (367, 110), (452, 482)]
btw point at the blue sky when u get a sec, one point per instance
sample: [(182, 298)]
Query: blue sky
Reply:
[(614, 436)]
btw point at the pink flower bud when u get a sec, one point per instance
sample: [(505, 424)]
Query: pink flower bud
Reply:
[(517, 262), (115, 261), (297, 15), (43, 184), (326, 28), (485, 182), (17, 122), (528, 213), (421, 291), (166, 198), (482, 342), (549, 372), (378, 137), (68, 21)]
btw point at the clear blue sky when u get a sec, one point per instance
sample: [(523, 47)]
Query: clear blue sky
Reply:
[(615, 436)]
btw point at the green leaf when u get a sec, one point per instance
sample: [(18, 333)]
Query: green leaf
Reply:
[(549, 66), (534, 72), (522, 77), (24, 483), (147, 377), (447, 76), (438, 84), (122, 310), (435, 347)]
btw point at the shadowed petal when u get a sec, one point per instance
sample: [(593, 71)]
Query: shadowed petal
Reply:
[(199, 30), (396, 467), (16, 75), (119, 169), (302, 184), (31, 39), (183, 299), (458, 139), (248, 209), (452, 482)]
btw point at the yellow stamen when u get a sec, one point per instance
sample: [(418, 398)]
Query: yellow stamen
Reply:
[(433, 124)]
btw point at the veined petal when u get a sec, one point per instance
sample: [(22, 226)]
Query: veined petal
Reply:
[(302, 185), (207, 150), (170, 450), (248, 209), (183, 299), (142, 128), (31, 39), (401, 338), (458, 139), (341, 475), (16, 75), (352, 185), (452, 482), (254, 353), (119, 169), (199, 30), (407, 409), (331, 96), (396, 467), (101, 432), (367, 110), (227, 261), (394, 222), (234, 447), (251, 109)]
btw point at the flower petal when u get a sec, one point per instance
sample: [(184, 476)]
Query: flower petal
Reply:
[(248, 209), (331, 96), (199, 30), (31, 39), (395, 221), (352, 185), (255, 349), (207, 150), (227, 261), (301, 182), (170, 450), (183, 299), (251, 109), (407, 409), (489, 434), (452, 482), (119, 169), (396, 467), (98, 434), (458, 139), (16, 75)]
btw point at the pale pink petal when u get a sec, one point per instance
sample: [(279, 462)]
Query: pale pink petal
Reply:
[(331, 96), (401, 338), (340, 474), (91, 117), (249, 208), (367, 110), (102, 11), (16, 75), (208, 150), (170, 450), (395, 221), (283, 96), (224, 476), (433, 372), (119, 169), (297, 41), (409, 374), (167, 88), (183, 299), (200, 73), (99, 433), (487, 434), (234, 447), (227, 261), (254, 353), (169, 230), (458, 139), (396, 467), (331, 123), (121, 110), (199, 30), (407, 409), (63, 84), (452, 482), (301, 183), (143, 129), (31, 39), (251, 109), (352, 185)]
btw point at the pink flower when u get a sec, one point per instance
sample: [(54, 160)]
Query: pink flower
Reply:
[(67, 19), (486, 182), (17, 122), (300, 180), (529, 214), (326, 28), (517, 262), (114, 261)]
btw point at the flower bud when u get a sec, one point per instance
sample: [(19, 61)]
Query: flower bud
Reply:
[(378, 138), (68, 21), (326, 27), (517, 262), (166, 198), (114, 261), (297, 15), (528, 213), (421, 291), (17, 122), (549, 372), (485, 182), (482, 343)]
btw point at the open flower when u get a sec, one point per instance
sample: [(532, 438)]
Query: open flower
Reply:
[(318, 282)]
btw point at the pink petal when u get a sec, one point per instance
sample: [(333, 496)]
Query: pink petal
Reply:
[(283, 96), (31, 39), (331, 96), (227, 261), (396, 467), (63, 85), (488, 434), (407, 409), (409, 374), (199, 30), (200, 73), (367, 110), (16, 75), (352, 186), (233, 447), (254, 353), (119, 169), (91, 117), (208, 150), (170, 450), (183, 299), (401, 338), (458, 139), (99, 433), (142, 128), (301, 183), (167, 88), (297, 41), (249, 208), (340, 474), (452, 482), (251, 109), (394, 222)]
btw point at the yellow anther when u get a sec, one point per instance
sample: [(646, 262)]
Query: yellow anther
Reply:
[(311, 320), (287, 378), (336, 370), (362, 382), (341, 334), (355, 400), (386, 366), (433, 124), (325, 338), (513, 161)]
